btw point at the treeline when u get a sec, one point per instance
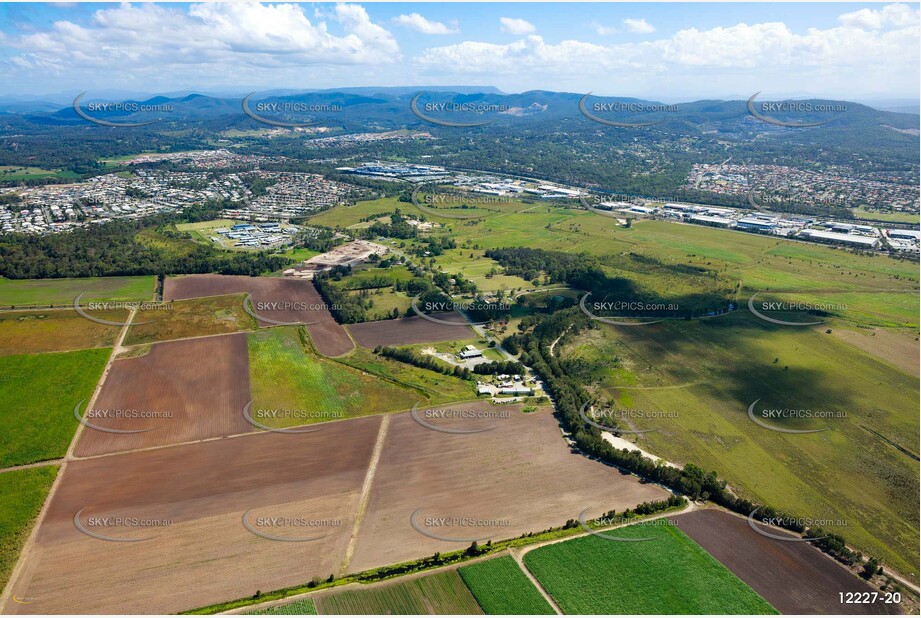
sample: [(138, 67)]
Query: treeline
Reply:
[(499, 368), (410, 357), (569, 397), (113, 249)]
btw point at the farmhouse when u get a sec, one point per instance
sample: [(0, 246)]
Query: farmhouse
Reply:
[(470, 352)]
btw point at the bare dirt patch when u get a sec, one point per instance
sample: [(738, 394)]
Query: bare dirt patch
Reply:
[(407, 331), (274, 299), (899, 348), (794, 577), (205, 555), (518, 477), (179, 391)]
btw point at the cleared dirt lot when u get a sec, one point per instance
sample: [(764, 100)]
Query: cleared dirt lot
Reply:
[(407, 331), (180, 391), (794, 577), (205, 555), (518, 477), (275, 300)]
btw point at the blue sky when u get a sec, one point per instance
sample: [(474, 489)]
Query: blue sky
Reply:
[(653, 50)]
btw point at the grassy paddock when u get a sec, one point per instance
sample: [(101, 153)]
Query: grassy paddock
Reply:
[(197, 317), (286, 374), (26, 292)]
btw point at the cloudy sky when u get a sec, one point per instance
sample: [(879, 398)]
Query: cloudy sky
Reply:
[(669, 52)]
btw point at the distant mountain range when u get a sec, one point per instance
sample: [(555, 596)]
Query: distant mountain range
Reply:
[(379, 102)]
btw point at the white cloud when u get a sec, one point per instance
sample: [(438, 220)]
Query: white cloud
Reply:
[(639, 26), (147, 39), (734, 59), (425, 26), (513, 25), (899, 15), (603, 30)]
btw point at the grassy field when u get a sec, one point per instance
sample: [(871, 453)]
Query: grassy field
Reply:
[(16, 172), (304, 607), (19, 292), (22, 493), (58, 330), (434, 387), (705, 374), (892, 217), (441, 593), (214, 315), (669, 574), (344, 216), (39, 392), (501, 588), (286, 375)]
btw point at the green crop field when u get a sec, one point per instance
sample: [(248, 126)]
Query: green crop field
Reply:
[(39, 392), (286, 374), (197, 317), (56, 330), (20, 292), (502, 588), (695, 380), (669, 574), (22, 493), (441, 593), (304, 607)]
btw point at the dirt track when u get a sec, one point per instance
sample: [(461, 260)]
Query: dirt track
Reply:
[(202, 384), (274, 300), (794, 577), (407, 331), (519, 475), (205, 555)]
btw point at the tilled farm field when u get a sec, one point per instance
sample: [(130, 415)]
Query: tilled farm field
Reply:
[(182, 541), (274, 300), (518, 476), (178, 392), (794, 577), (407, 331)]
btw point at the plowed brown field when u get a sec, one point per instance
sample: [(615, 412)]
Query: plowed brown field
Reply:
[(794, 577), (178, 392), (520, 476), (407, 331), (205, 555), (274, 300)]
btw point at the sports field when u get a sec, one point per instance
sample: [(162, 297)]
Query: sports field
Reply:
[(39, 392), (286, 375), (441, 593), (500, 587), (22, 493), (15, 292), (669, 574)]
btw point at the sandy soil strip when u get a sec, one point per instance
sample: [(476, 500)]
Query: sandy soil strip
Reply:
[(365, 493)]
